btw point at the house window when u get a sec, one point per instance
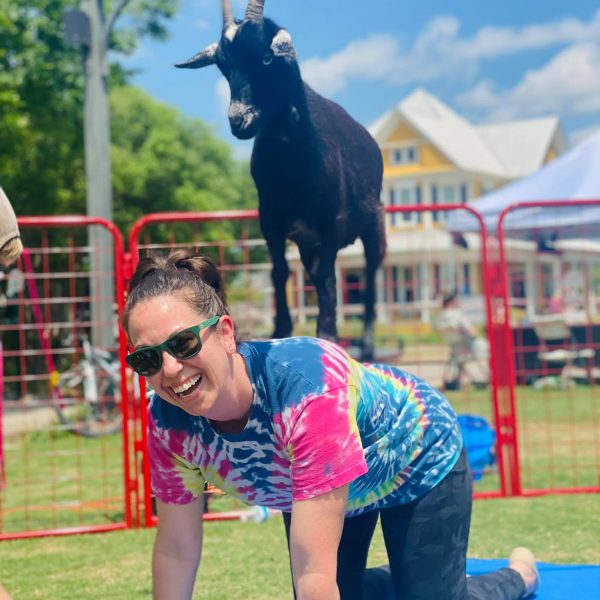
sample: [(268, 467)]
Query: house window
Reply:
[(397, 157), (448, 194), (517, 284), (353, 288), (404, 156), (404, 195), (466, 288), (393, 288), (464, 194), (406, 200), (437, 279), (394, 217), (409, 285), (436, 215)]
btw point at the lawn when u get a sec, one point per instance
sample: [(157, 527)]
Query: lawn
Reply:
[(558, 432), (248, 561), (55, 479)]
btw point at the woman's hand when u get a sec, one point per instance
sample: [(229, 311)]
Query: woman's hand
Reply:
[(177, 550), (316, 528)]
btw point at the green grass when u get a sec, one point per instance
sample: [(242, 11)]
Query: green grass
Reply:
[(82, 480), (57, 479), (249, 561), (558, 430)]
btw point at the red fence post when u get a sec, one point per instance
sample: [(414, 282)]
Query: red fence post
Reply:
[(503, 388)]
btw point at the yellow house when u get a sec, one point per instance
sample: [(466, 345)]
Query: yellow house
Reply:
[(433, 156)]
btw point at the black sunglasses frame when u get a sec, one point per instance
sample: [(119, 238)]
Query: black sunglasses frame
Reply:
[(164, 347)]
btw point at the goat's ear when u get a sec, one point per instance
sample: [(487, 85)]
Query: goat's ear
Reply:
[(282, 45), (204, 58)]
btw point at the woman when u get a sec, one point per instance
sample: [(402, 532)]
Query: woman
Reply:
[(297, 425)]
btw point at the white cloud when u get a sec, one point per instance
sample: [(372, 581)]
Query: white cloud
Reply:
[(370, 58), (491, 42), (439, 52), (568, 84)]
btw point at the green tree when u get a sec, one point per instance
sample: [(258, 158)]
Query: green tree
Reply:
[(164, 161), (41, 97), (40, 109)]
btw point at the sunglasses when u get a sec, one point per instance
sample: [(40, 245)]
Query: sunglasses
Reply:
[(184, 344)]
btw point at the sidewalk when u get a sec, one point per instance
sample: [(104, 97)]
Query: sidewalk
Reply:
[(22, 419)]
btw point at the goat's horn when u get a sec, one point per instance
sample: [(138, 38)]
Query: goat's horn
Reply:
[(254, 10), (227, 13), (203, 59)]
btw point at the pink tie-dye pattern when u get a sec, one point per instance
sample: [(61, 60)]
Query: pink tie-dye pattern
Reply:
[(176, 482), (323, 440)]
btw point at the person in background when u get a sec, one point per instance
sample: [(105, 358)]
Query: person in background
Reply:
[(12, 283), (297, 425), (10, 238), (10, 250), (460, 334), (556, 304)]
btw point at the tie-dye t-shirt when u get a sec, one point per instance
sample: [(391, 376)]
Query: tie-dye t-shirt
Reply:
[(319, 420)]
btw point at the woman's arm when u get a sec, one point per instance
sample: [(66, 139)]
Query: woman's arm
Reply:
[(177, 550), (316, 528)]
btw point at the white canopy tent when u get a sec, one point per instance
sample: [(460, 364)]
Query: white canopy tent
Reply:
[(573, 176)]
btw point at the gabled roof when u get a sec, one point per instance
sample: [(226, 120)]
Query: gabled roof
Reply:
[(522, 146), (505, 150)]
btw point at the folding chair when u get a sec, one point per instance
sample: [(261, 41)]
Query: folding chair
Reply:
[(561, 359)]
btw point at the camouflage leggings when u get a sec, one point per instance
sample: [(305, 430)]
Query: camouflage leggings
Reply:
[(426, 542)]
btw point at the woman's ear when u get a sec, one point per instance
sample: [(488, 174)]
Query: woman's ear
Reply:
[(226, 329)]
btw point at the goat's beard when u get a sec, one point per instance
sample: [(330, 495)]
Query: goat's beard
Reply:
[(243, 119), (245, 133)]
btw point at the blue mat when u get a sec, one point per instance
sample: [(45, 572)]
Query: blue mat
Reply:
[(559, 582)]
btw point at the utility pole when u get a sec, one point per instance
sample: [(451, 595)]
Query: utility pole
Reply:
[(89, 30)]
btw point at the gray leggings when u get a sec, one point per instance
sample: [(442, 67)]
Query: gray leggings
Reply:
[(426, 542)]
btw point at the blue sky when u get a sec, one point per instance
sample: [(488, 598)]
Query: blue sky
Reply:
[(489, 61)]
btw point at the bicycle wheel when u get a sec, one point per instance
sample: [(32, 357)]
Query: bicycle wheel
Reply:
[(85, 410)]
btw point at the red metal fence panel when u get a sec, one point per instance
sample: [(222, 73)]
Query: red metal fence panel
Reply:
[(552, 314), (65, 450), (422, 261)]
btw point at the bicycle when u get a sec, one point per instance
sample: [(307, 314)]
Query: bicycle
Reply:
[(88, 396)]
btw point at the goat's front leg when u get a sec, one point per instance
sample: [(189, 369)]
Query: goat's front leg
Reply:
[(279, 275), (322, 271)]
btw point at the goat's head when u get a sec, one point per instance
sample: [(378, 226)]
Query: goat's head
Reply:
[(258, 60)]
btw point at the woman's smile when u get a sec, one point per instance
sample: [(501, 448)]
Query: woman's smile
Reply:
[(188, 386)]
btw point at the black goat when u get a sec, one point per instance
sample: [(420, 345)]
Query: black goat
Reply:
[(317, 171)]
